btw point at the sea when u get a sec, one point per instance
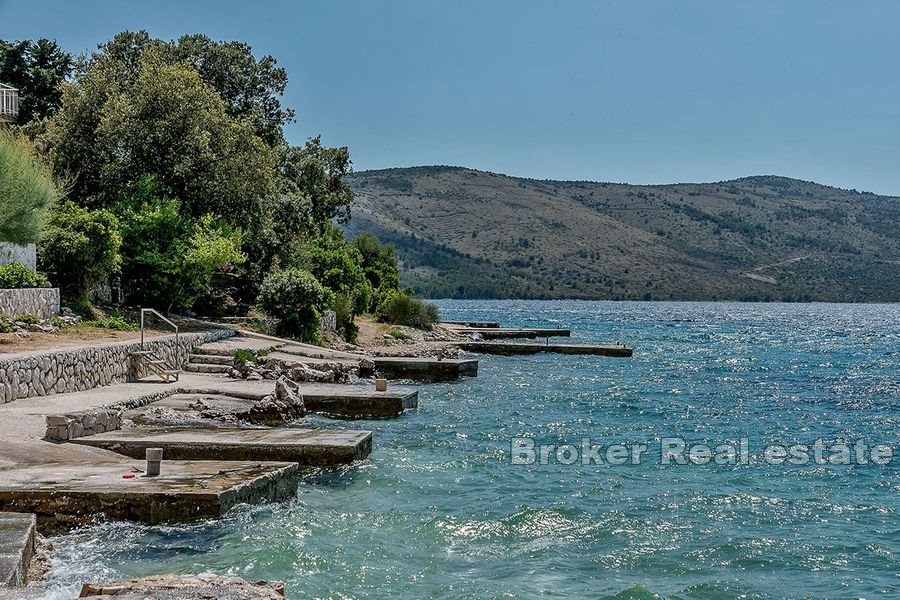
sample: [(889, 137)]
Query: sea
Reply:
[(744, 451)]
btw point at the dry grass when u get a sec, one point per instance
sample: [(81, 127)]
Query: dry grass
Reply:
[(67, 337)]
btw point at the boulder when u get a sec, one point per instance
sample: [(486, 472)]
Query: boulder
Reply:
[(284, 406)]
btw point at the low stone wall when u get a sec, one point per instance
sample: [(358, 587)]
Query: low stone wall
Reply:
[(69, 426), (88, 367), (98, 420), (40, 302)]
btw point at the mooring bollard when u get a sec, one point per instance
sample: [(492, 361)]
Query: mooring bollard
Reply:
[(154, 458), (381, 385)]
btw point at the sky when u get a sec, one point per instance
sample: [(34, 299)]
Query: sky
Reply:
[(646, 91)]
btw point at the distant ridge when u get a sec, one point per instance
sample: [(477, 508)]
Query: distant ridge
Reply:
[(464, 233)]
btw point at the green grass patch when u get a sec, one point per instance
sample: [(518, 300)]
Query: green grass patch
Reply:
[(113, 322), (28, 319), (245, 356), (400, 335)]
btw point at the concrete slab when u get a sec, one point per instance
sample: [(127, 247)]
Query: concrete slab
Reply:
[(501, 333), (481, 324), (334, 399), (317, 447), (17, 533), (426, 369), (70, 494), (357, 401), (513, 348)]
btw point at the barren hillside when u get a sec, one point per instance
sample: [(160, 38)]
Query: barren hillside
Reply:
[(467, 233)]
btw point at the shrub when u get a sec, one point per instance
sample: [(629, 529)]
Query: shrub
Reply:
[(28, 319), (344, 314), (243, 356), (27, 190), (6, 324), (399, 334), (296, 298), (16, 275), (114, 322), (401, 308), (170, 259), (81, 248)]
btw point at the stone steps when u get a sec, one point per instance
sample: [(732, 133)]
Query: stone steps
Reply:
[(213, 359), (206, 368)]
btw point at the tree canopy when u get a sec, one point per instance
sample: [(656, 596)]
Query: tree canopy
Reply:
[(37, 69), (27, 190)]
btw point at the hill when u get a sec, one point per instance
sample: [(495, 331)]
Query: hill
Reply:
[(462, 233)]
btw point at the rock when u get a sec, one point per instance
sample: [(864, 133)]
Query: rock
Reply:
[(366, 367), (186, 587), (285, 406)]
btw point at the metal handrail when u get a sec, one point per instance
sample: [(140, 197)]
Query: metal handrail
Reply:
[(155, 312)]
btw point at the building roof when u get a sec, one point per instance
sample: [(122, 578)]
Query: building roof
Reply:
[(3, 86)]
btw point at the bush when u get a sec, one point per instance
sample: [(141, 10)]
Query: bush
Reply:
[(401, 308), (81, 248), (242, 356), (28, 319), (399, 334), (344, 314), (114, 322), (27, 190), (16, 276), (170, 259), (296, 298)]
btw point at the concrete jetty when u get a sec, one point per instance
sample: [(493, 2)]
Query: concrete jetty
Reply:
[(333, 399), (426, 369), (17, 538), (315, 447), (73, 493), (69, 484), (513, 348), (478, 324), (358, 401), (505, 333)]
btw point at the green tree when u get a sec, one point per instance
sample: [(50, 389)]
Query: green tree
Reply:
[(318, 174), (37, 69), (27, 190), (168, 259), (379, 262), (251, 88), (122, 120), (296, 298), (81, 249)]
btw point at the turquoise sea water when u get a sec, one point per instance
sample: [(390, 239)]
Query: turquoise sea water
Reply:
[(439, 511)]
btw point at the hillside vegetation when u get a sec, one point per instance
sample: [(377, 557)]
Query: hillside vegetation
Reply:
[(463, 233)]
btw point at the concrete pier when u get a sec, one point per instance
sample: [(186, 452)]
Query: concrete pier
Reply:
[(513, 348), (70, 494), (358, 401), (504, 333), (17, 537), (479, 324), (315, 447), (425, 369)]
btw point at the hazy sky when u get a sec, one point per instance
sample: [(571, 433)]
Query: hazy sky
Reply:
[(637, 91)]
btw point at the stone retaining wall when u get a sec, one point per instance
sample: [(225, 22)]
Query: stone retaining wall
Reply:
[(88, 367), (40, 302)]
